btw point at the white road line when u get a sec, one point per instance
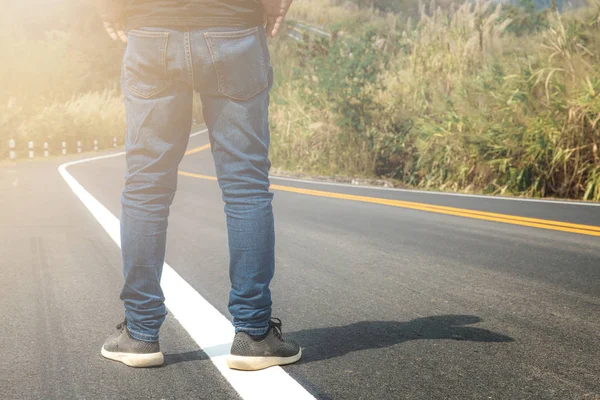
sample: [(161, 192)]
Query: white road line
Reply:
[(198, 133), (209, 328)]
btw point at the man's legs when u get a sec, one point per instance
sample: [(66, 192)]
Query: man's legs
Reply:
[(159, 117), (155, 146), (239, 145), (158, 102), (242, 165), (236, 113), (234, 75)]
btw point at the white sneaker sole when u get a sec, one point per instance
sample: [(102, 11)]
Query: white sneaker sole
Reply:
[(255, 363), (135, 360)]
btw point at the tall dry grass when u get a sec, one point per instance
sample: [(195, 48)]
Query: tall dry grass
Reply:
[(462, 105)]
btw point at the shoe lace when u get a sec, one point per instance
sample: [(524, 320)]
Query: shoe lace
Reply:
[(276, 325)]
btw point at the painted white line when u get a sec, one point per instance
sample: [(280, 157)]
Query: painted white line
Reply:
[(348, 185), (209, 328), (199, 132)]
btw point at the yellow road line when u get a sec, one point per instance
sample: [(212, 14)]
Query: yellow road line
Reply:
[(191, 175), (197, 149), (461, 212), (410, 204)]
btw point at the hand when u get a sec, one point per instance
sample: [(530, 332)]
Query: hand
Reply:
[(275, 11), (112, 14)]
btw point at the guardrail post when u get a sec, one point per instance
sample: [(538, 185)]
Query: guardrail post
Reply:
[(12, 154), (64, 148), (95, 145), (114, 142), (30, 145), (78, 146), (46, 152)]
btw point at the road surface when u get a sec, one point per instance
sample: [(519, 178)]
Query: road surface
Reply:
[(392, 294)]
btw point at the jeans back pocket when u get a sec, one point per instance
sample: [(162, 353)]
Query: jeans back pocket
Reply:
[(239, 61), (144, 62)]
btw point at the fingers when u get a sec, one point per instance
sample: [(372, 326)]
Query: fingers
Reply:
[(273, 25), (270, 26), (110, 30), (277, 26), (121, 32), (115, 31)]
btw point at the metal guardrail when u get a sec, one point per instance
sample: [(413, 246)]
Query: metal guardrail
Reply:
[(25, 148), (300, 31), (31, 149)]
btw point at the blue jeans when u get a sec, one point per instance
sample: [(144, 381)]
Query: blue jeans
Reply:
[(231, 70)]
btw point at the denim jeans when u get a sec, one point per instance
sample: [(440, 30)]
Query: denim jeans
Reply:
[(231, 70)]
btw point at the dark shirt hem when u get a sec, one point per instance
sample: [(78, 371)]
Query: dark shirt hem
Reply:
[(190, 22)]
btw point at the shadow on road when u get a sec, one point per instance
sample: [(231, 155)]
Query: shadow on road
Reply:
[(325, 343), (196, 355)]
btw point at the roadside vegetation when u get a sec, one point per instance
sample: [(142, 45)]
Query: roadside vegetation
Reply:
[(466, 97), (471, 96), (60, 78)]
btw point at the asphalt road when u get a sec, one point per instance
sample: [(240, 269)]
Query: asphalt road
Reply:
[(388, 302)]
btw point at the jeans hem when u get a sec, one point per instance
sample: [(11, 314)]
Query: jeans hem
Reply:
[(141, 336), (253, 331)]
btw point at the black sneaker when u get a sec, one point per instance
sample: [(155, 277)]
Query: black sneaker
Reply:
[(250, 353), (122, 347)]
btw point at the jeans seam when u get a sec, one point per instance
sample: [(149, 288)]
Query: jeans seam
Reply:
[(189, 59), (137, 32), (209, 45), (232, 34)]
